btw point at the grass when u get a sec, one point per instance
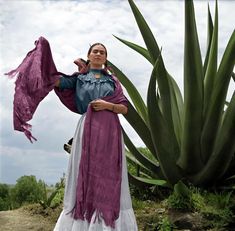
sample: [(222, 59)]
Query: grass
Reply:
[(162, 209), (209, 211), (191, 209)]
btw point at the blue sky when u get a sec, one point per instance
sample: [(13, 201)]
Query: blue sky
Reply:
[(70, 27)]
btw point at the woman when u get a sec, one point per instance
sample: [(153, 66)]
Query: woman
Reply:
[(97, 193)]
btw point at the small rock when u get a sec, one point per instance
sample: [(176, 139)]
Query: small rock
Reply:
[(160, 210), (185, 220)]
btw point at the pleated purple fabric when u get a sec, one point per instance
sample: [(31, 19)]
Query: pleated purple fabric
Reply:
[(99, 177)]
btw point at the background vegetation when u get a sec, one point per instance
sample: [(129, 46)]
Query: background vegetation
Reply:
[(156, 207), (28, 190)]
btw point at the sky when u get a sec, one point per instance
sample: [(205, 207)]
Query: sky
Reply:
[(71, 27)]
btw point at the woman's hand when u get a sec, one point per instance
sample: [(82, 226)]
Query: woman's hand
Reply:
[(99, 105), (81, 63), (57, 83)]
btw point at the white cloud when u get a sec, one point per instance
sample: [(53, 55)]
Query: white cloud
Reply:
[(70, 26), (46, 165)]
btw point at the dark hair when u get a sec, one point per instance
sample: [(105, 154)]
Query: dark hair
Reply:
[(90, 49), (95, 44)]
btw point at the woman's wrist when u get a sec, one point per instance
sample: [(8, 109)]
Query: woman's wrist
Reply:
[(113, 107), (116, 108), (110, 106)]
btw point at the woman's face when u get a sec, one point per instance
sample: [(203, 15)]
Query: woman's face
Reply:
[(97, 56)]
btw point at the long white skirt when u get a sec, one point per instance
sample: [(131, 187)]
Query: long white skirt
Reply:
[(126, 220)]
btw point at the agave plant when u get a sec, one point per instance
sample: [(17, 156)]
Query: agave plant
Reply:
[(191, 138)]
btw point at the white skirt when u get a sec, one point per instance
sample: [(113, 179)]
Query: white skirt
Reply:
[(126, 220)]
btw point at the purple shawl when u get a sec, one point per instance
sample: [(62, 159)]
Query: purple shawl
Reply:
[(100, 171), (37, 75)]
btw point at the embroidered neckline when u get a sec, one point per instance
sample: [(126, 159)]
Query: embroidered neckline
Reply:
[(96, 70), (96, 73), (89, 77)]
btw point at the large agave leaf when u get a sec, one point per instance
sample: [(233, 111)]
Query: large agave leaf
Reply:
[(151, 44), (177, 108), (133, 93), (137, 48), (168, 91), (164, 140), (215, 110), (145, 182), (230, 173), (211, 70), (209, 38), (133, 160), (140, 127), (223, 151), (168, 100), (190, 159), (176, 97), (140, 167), (147, 34), (166, 95), (149, 164), (233, 76)]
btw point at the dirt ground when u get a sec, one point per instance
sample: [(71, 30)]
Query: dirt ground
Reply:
[(21, 220)]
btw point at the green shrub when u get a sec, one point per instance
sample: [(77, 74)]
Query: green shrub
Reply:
[(164, 225), (5, 202), (27, 190), (53, 197), (181, 198)]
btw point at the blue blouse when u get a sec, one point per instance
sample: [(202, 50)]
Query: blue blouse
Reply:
[(88, 87)]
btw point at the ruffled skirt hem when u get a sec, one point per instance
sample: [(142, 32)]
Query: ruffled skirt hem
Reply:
[(125, 222)]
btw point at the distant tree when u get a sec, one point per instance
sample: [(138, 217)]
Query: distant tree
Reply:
[(4, 191), (5, 203), (28, 190)]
